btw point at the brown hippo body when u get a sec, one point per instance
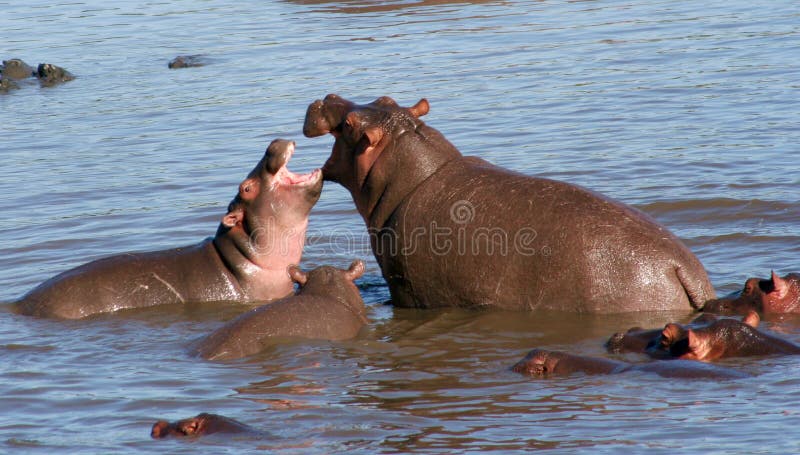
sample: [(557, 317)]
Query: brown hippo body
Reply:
[(200, 425), (774, 295), (327, 306), (449, 230), (262, 233), (728, 338), (542, 363)]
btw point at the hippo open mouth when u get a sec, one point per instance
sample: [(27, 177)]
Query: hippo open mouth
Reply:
[(285, 177)]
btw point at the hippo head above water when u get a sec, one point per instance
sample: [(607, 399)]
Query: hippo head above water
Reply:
[(775, 295), (375, 143), (329, 280), (199, 425), (266, 222)]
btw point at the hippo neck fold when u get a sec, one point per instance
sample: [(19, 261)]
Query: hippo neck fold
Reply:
[(259, 264), (408, 162)]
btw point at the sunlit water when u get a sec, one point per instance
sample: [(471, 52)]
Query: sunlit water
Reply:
[(686, 110)]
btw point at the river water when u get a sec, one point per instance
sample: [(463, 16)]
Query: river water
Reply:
[(686, 110)]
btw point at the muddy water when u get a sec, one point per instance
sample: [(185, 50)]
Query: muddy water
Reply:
[(685, 110)]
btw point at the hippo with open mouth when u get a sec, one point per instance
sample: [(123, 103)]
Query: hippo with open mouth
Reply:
[(246, 261), (450, 230)]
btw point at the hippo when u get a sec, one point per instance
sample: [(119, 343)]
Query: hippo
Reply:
[(186, 61), (327, 306), (775, 295), (652, 341), (47, 73), (16, 69), (262, 234), (727, 338), (543, 363), (200, 425), (449, 230)]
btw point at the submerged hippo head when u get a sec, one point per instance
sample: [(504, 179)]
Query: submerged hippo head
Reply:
[(540, 362), (722, 338), (201, 424), (655, 342), (264, 228), (775, 295), (382, 150)]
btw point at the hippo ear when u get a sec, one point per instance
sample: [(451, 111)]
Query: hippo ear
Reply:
[(696, 344), (233, 218), (779, 285), (356, 270), (160, 429), (670, 334), (421, 108), (752, 319), (190, 426), (297, 275)]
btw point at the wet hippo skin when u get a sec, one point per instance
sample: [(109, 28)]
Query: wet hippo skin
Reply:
[(327, 306), (450, 230), (199, 425), (774, 295), (543, 363), (728, 338), (260, 236), (654, 342)]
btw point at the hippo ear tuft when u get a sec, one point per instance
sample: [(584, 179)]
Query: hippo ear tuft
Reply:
[(356, 270), (297, 275), (752, 319), (421, 108), (670, 334), (695, 343), (779, 285)]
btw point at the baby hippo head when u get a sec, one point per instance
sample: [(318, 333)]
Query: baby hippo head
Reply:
[(329, 280), (272, 196)]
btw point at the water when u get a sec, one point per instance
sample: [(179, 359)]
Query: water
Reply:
[(686, 110)]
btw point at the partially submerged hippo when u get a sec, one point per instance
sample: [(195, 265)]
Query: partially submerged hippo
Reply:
[(774, 295), (449, 230), (327, 306), (186, 61), (200, 425), (652, 341), (260, 236), (543, 363), (726, 338), (16, 69)]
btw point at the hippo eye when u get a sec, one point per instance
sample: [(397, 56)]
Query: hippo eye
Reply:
[(247, 189)]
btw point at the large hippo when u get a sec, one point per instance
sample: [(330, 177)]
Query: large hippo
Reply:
[(327, 306), (450, 230), (260, 236), (727, 338), (775, 295), (543, 363), (199, 425)]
